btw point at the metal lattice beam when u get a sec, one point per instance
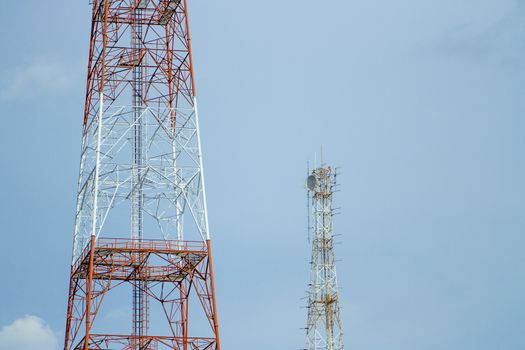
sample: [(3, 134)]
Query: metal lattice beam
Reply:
[(323, 327)]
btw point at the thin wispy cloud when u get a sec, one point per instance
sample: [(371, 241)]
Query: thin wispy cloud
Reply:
[(28, 333), (37, 77), (503, 37)]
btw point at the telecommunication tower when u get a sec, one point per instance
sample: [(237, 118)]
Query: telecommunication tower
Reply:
[(141, 233), (323, 327)]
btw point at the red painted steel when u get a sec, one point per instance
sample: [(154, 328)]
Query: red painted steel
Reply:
[(177, 275), (171, 267)]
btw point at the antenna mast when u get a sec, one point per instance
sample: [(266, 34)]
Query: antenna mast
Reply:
[(323, 327)]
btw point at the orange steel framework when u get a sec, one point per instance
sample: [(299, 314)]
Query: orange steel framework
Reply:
[(171, 268), (141, 153)]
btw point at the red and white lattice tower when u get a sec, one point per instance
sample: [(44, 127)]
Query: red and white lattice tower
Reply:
[(141, 235)]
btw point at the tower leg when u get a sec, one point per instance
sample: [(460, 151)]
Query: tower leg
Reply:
[(214, 303), (89, 292), (184, 315), (70, 301)]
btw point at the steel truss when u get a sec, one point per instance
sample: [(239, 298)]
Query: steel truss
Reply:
[(141, 216), (323, 327), (174, 272)]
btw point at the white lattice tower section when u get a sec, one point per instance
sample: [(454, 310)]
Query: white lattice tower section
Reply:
[(323, 328), (169, 176)]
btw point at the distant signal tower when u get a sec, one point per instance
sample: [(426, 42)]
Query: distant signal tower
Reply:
[(323, 327), (141, 244)]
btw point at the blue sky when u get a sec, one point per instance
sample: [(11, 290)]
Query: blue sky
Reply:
[(419, 102)]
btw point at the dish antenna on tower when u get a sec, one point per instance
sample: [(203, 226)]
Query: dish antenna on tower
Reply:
[(311, 182)]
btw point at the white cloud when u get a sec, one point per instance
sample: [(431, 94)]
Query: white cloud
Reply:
[(41, 75), (28, 333)]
